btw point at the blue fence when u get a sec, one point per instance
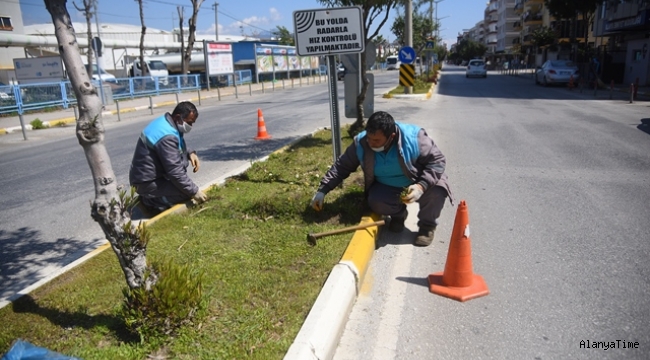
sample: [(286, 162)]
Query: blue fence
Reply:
[(21, 98)]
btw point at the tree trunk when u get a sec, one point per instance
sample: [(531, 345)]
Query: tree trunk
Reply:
[(143, 31), (107, 207), (196, 5), (359, 124), (184, 65)]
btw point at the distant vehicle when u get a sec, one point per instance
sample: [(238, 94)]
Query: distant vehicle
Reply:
[(340, 72), (476, 68), (156, 69), (105, 76), (556, 72), (6, 92), (392, 63)]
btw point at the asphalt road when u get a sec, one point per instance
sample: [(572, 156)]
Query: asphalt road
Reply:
[(47, 187), (558, 186)]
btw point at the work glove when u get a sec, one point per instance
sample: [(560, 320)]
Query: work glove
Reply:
[(194, 160), (317, 201), (415, 191), (200, 197)]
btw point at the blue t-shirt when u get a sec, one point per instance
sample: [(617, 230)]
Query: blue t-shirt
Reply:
[(387, 169)]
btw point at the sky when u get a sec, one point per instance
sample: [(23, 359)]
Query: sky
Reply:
[(244, 16)]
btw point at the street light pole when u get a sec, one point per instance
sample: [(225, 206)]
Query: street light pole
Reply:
[(216, 22)]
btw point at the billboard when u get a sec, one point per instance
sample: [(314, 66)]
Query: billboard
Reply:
[(218, 58), (39, 70)]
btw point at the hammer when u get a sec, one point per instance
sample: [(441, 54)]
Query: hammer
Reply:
[(311, 238)]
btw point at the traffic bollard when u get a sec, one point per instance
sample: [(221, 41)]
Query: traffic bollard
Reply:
[(151, 105), (198, 92), (76, 115), (176, 98), (250, 89), (631, 93), (218, 94), (117, 104)]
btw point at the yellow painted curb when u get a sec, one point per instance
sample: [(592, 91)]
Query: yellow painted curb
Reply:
[(361, 247), (63, 121), (3, 131)]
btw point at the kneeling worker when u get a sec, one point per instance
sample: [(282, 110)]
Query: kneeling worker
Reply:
[(393, 157), (159, 166)]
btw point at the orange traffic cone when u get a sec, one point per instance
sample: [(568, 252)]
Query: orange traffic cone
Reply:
[(261, 127), (458, 281)]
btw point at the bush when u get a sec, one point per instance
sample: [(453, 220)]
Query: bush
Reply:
[(38, 124), (171, 303)]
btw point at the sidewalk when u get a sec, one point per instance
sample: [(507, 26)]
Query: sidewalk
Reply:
[(11, 124)]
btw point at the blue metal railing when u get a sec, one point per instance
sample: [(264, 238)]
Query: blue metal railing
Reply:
[(21, 98)]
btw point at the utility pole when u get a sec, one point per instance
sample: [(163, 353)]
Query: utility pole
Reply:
[(98, 57), (216, 22)]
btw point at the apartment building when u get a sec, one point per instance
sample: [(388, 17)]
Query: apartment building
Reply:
[(622, 32), (11, 23), (508, 28)]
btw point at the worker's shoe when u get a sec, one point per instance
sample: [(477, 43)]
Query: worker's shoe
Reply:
[(425, 236), (397, 222)]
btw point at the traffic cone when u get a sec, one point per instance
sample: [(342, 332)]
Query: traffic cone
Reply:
[(261, 127), (458, 281)]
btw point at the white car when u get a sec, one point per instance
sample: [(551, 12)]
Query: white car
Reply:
[(476, 68)]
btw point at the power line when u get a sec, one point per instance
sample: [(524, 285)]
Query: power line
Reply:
[(210, 9), (40, 5)]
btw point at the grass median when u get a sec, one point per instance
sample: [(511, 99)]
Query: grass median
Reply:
[(261, 277)]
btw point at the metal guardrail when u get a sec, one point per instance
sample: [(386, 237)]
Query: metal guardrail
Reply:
[(21, 98)]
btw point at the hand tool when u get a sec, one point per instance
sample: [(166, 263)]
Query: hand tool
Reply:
[(311, 238)]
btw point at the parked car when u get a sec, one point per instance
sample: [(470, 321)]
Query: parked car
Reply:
[(476, 68), (105, 76), (6, 91), (556, 72)]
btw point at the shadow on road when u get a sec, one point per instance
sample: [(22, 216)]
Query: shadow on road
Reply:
[(414, 280), (644, 126), (24, 255)]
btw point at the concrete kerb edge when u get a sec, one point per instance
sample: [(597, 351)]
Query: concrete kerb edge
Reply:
[(321, 332)]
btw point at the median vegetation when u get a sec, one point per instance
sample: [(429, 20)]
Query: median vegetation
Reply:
[(249, 261)]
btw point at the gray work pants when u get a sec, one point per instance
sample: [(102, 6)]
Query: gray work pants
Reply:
[(160, 194), (385, 200)]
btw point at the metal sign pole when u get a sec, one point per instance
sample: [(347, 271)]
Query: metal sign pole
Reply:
[(334, 107)]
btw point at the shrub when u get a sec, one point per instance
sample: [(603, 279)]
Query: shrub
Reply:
[(170, 303), (38, 124)]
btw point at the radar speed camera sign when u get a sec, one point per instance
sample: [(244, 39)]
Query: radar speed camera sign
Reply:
[(329, 31)]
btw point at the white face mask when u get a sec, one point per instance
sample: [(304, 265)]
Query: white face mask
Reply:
[(184, 127), (382, 148)]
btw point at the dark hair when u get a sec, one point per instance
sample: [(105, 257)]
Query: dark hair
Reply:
[(184, 109), (381, 121)]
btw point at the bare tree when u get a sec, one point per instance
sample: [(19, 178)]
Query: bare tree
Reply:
[(87, 10), (196, 5), (110, 207), (143, 31), (372, 10)]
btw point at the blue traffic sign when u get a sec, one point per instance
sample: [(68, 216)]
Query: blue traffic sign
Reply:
[(406, 55)]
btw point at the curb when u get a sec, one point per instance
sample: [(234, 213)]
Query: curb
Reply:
[(319, 335)]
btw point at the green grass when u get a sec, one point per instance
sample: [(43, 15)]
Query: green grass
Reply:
[(249, 239)]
